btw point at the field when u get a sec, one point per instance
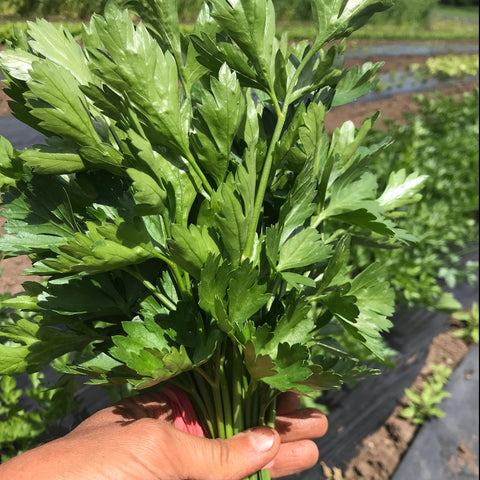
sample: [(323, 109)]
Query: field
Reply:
[(370, 445)]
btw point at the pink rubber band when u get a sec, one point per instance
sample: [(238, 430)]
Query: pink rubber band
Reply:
[(185, 418)]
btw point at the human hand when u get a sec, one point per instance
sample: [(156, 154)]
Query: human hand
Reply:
[(136, 439)]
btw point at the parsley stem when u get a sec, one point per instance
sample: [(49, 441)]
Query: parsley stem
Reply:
[(164, 300), (226, 400), (281, 117), (198, 393), (217, 397), (184, 287), (238, 391), (262, 187), (193, 163)]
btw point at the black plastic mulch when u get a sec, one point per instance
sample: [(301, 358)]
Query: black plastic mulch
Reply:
[(447, 448)]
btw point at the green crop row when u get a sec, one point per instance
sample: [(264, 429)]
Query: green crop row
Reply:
[(404, 12), (441, 142)]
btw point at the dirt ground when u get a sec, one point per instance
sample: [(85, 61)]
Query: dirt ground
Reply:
[(382, 451)]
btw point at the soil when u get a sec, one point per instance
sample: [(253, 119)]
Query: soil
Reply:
[(462, 458), (381, 452)]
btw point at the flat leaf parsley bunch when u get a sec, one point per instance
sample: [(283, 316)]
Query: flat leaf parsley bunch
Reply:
[(189, 211)]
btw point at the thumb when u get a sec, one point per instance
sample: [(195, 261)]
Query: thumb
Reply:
[(231, 459)]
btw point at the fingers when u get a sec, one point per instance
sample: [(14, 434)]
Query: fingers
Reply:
[(308, 423), (231, 459), (294, 457), (297, 429), (287, 402)]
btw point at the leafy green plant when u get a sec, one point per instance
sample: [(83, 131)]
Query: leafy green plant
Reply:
[(405, 12), (189, 210), (10, 30), (446, 66), (423, 405), (40, 8), (22, 429), (468, 333), (445, 221), (32, 413)]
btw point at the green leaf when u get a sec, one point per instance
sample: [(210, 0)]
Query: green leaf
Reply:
[(213, 54), (299, 205), (12, 360), (136, 67), (401, 190), (56, 157), (437, 412), (303, 249), (337, 267), (58, 45), (313, 137), (213, 284), (412, 395), (102, 155), (251, 25), (357, 82), (17, 63), (339, 18), (352, 200), (259, 366), (221, 112), (149, 195), (408, 412), (375, 301), (65, 112), (291, 368), (39, 346), (103, 247), (161, 17), (233, 204), (190, 248), (298, 281), (245, 296), (97, 296), (295, 326), (39, 216), (324, 15), (11, 168), (180, 183), (343, 306)]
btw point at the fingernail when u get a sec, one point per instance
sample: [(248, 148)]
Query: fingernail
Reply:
[(264, 439)]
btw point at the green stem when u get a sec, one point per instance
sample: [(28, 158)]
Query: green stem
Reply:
[(206, 396), (164, 300), (217, 395), (281, 117), (226, 401), (238, 391), (262, 186), (193, 163), (321, 217), (184, 287)]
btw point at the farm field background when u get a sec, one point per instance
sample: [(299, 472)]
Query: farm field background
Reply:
[(414, 332)]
